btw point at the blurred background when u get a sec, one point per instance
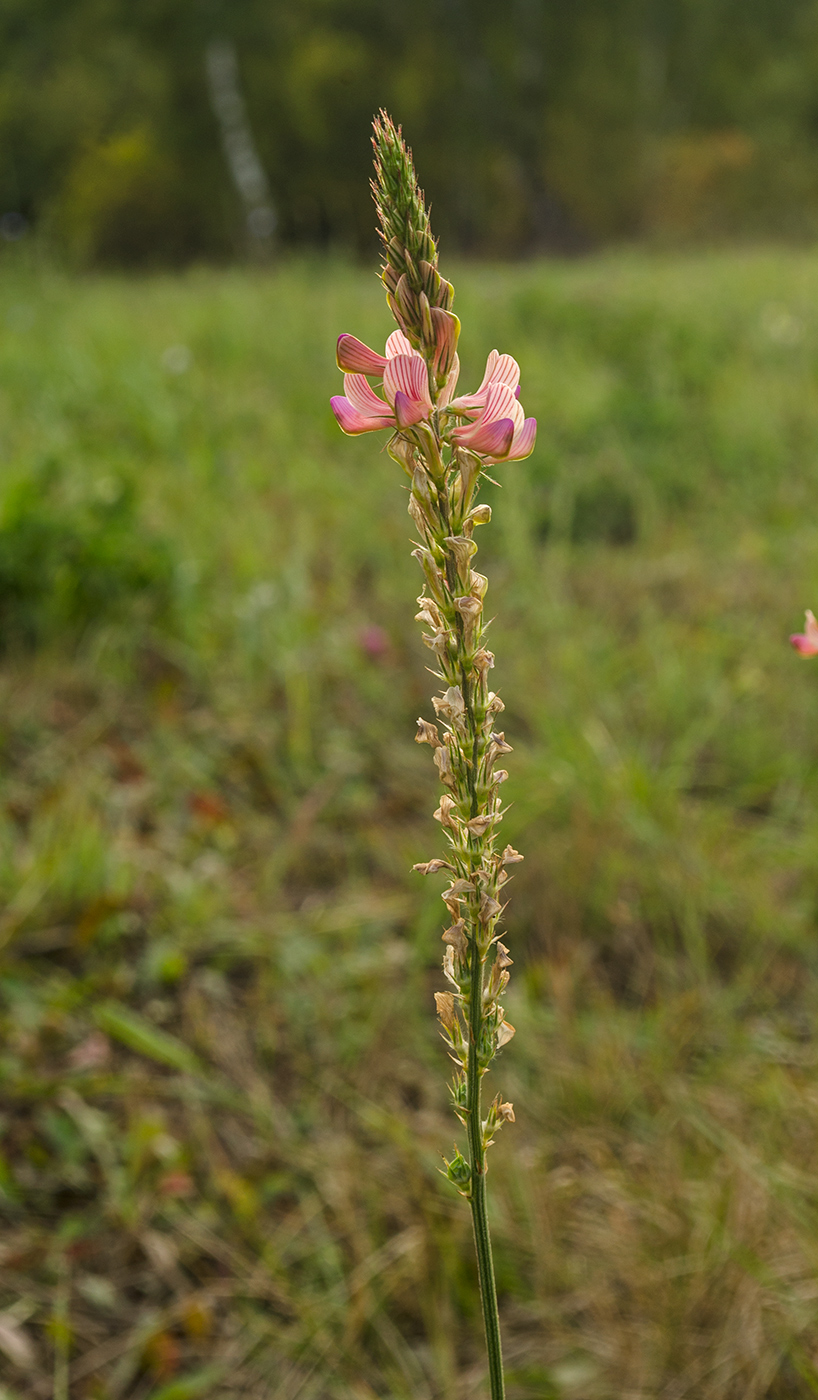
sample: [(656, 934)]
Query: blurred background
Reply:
[(222, 1092), (536, 126)]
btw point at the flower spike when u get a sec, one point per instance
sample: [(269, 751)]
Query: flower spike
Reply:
[(444, 443)]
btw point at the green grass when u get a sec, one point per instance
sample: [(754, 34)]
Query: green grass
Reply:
[(223, 1093)]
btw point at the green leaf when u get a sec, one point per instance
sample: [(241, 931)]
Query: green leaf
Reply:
[(139, 1035), (188, 1387)]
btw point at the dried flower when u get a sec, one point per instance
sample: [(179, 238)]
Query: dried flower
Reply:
[(444, 1001)]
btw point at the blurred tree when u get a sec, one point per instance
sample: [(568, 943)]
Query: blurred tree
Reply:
[(534, 124)]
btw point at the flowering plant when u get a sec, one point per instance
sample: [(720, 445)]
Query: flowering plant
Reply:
[(444, 443), (806, 642)]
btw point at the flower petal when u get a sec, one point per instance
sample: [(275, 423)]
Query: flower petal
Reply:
[(407, 374), (352, 422), (501, 403), (506, 371), (397, 344), (468, 403), (524, 439), (408, 411), (363, 397), (446, 327), (494, 356), (356, 358), (803, 644), (806, 642), (490, 439)]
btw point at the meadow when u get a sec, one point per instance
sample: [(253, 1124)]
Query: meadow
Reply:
[(222, 1088)]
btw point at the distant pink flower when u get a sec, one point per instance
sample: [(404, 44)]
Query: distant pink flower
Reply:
[(374, 641), (806, 642), (91, 1053), (405, 385), (500, 431)]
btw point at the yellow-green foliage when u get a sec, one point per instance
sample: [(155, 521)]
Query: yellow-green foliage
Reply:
[(223, 1094)]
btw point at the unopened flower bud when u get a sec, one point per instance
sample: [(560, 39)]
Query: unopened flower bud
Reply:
[(445, 294), (446, 330), (407, 302), (459, 1172), (427, 330), (480, 515)]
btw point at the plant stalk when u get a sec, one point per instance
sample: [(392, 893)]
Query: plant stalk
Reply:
[(477, 1198), (444, 444)]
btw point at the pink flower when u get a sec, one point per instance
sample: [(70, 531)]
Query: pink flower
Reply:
[(405, 385), (356, 358), (500, 430), (807, 641), (374, 641), (500, 369)]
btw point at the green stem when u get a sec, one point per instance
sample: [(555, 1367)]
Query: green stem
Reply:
[(477, 1153)]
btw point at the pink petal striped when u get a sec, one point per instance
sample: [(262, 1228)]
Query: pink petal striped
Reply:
[(500, 369), (501, 403), (494, 356), (352, 422), (523, 443), (408, 375), (491, 439), (356, 358), (397, 344), (363, 397), (468, 403)]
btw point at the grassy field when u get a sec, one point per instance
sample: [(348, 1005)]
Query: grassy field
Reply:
[(222, 1100)]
